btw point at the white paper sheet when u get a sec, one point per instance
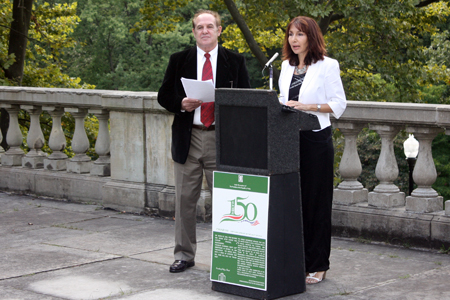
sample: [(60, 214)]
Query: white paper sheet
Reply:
[(201, 90)]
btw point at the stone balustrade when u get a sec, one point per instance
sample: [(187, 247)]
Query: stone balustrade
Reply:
[(387, 119), (385, 213), (134, 171)]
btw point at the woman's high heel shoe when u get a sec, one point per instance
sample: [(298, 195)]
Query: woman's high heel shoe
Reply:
[(315, 277)]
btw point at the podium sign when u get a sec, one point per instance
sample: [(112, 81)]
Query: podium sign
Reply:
[(239, 228)]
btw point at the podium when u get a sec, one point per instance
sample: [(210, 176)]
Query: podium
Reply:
[(256, 135)]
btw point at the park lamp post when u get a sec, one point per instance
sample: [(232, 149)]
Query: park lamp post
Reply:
[(411, 149)]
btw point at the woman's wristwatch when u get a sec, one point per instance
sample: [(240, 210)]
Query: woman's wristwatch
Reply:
[(318, 107)]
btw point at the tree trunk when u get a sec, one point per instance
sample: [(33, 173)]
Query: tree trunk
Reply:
[(252, 44), (18, 38)]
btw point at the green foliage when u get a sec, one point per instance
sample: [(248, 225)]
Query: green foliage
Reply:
[(161, 16), (369, 147), (49, 34), (118, 48), (441, 149), (385, 38), (439, 47), (378, 43), (5, 60), (435, 94), (112, 53)]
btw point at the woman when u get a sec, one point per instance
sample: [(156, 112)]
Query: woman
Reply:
[(311, 82)]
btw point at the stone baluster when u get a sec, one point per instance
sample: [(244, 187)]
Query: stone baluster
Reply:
[(350, 191), (13, 157), (80, 163), (57, 142), (424, 198), (102, 166), (386, 193), (35, 139)]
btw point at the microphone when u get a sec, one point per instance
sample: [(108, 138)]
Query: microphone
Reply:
[(269, 64), (271, 60)]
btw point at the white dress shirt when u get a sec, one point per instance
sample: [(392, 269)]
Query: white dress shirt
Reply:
[(200, 62)]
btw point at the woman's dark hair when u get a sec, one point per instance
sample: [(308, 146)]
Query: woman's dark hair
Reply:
[(316, 43)]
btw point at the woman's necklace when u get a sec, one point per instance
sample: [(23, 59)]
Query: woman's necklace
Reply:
[(300, 71)]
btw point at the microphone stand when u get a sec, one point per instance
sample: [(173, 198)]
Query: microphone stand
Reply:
[(269, 64), (270, 76)]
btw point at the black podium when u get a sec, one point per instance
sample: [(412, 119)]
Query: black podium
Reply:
[(256, 135)]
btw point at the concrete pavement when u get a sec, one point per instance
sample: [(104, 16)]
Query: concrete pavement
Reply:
[(60, 250)]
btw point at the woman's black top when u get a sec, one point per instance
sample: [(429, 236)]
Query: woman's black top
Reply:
[(296, 84)]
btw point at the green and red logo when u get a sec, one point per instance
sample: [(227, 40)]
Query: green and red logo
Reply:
[(247, 212)]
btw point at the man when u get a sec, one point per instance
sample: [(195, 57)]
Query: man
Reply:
[(193, 137)]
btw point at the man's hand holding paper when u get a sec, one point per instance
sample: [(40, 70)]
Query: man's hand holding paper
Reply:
[(189, 104), (201, 90)]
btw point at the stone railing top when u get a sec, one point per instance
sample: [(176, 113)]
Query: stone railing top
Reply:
[(397, 113), (82, 98), (357, 111)]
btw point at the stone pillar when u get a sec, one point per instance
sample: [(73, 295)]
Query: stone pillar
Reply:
[(80, 163), (57, 142), (350, 191), (447, 203), (127, 189), (386, 194), (102, 166), (35, 139), (424, 198), (13, 157)]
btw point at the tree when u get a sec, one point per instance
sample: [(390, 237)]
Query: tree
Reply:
[(33, 35), (378, 43), (21, 15), (12, 63), (113, 53)]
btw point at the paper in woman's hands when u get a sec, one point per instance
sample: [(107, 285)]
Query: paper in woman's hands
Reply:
[(201, 90)]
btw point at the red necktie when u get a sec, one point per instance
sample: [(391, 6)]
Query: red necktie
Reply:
[(207, 110)]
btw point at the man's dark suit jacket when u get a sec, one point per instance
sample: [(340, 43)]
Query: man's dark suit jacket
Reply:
[(230, 68)]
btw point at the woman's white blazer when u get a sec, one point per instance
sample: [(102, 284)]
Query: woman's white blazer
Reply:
[(322, 85)]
